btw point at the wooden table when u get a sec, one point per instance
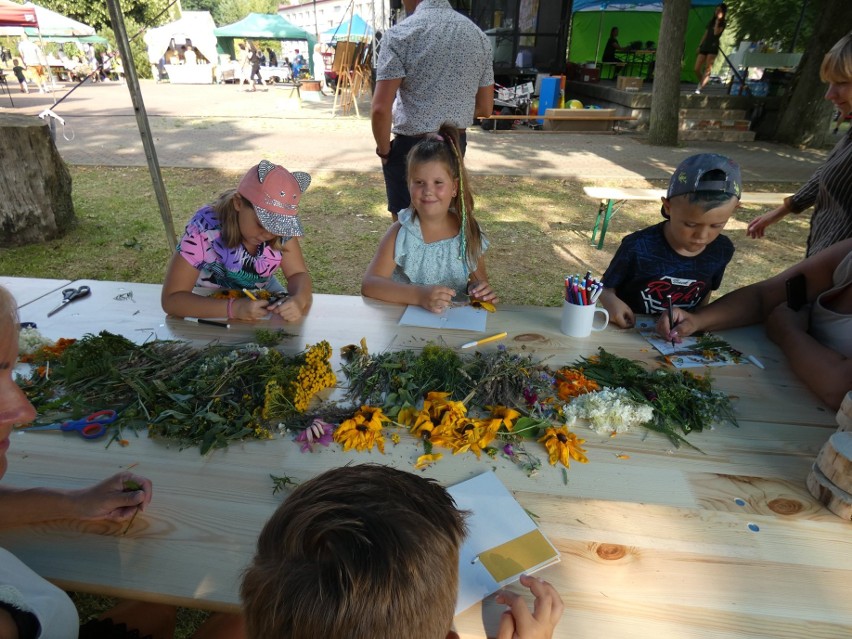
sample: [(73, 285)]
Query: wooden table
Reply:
[(657, 545)]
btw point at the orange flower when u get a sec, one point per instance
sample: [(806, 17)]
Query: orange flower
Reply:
[(563, 445), (570, 382), (363, 431)]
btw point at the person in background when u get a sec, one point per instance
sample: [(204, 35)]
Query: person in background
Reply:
[(684, 257), (239, 242), (432, 256), (297, 63), (816, 339), (31, 607), (708, 48), (435, 66), (189, 55), (273, 59), (35, 62), (254, 60), (829, 190), (612, 47), (368, 551), (18, 70), (319, 66)]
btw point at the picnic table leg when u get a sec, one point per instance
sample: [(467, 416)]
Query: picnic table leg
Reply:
[(606, 220), (601, 206)]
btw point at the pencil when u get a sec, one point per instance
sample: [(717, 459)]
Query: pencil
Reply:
[(207, 321), (249, 295), (485, 340), (671, 318)]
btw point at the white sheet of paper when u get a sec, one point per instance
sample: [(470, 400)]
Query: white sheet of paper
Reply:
[(679, 355), (495, 518), (464, 318)]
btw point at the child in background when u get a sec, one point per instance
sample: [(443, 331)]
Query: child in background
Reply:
[(239, 241), (370, 551), (683, 257), (433, 254), (18, 70)]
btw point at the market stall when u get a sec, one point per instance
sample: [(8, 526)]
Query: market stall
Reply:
[(194, 29)]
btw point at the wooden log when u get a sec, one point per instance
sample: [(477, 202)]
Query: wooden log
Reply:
[(35, 183), (837, 501), (835, 460), (844, 415)]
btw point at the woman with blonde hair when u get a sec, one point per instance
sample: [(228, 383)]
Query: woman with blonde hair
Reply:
[(829, 190)]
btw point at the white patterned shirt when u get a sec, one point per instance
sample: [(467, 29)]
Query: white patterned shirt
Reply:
[(443, 59)]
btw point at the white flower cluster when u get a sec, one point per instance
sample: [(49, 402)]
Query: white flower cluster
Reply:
[(30, 340), (611, 410)]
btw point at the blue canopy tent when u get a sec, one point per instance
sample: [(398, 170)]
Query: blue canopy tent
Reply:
[(637, 20), (359, 30)]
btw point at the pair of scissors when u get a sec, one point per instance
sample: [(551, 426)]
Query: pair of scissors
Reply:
[(90, 427), (69, 295)]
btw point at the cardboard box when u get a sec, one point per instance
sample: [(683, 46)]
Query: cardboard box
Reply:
[(626, 83), (590, 75)]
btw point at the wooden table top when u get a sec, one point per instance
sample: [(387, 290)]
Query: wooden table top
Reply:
[(656, 545)]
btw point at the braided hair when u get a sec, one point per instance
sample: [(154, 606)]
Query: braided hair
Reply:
[(444, 147)]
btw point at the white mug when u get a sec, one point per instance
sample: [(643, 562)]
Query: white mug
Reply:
[(579, 321)]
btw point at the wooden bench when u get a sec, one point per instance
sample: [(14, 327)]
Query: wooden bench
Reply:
[(611, 200), (571, 115)]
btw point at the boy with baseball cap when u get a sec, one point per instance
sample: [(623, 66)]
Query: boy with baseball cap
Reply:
[(684, 256), (239, 242)]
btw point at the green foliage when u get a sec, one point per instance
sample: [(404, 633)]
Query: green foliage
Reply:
[(230, 11), (774, 20)]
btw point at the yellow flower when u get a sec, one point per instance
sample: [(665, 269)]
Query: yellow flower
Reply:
[(462, 435), (502, 416), (407, 416), (363, 430), (424, 461), (563, 445)]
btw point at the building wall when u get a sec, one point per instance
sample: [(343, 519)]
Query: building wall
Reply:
[(330, 13)]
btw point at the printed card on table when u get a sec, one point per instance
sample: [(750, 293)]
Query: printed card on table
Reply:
[(691, 352), (503, 541), (464, 318)]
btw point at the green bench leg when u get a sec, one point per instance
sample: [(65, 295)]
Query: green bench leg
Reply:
[(605, 211)]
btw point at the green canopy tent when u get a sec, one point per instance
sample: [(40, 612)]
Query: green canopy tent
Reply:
[(637, 20), (264, 26)]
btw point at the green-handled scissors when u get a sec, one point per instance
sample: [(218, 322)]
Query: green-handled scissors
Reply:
[(90, 427)]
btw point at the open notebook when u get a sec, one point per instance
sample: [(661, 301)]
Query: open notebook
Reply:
[(503, 541)]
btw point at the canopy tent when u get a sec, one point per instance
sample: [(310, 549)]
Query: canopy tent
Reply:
[(264, 26), (13, 14), (359, 30), (636, 21), (197, 26)]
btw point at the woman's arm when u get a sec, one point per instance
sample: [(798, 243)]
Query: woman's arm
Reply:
[(110, 499), (377, 282), (178, 299), (825, 371)]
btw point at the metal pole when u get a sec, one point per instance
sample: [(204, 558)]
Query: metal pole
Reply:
[(117, 20)]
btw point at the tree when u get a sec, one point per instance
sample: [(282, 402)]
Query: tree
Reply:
[(805, 116), (230, 11), (774, 21), (665, 97), (95, 12)]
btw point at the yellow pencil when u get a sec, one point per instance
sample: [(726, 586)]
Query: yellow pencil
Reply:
[(485, 340), (249, 295)]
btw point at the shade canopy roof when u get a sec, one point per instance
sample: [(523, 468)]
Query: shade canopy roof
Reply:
[(628, 5), (359, 30), (265, 26), (13, 14), (51, 23)]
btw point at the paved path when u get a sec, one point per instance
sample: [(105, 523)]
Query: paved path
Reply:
[(222, 126)]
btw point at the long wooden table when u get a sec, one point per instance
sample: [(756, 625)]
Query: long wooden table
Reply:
[(666, 543)]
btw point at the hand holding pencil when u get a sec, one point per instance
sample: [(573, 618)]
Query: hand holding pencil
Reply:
[(681, 324)]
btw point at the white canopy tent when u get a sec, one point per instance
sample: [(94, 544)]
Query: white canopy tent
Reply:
[(196, 26)]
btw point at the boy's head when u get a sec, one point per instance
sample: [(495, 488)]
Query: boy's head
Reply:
[(16, 62), (356, 553), (703, 193)]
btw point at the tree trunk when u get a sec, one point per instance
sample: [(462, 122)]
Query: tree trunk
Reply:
[(35, 186), (806, 116), (665, 96)]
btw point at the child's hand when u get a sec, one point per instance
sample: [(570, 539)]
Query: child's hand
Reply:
[(481, 291), (620, 313), (287, 309), (436, 298), (685, 325), (245, 309), (519, 623)]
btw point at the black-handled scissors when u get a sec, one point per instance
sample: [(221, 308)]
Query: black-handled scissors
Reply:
[(69, 295)]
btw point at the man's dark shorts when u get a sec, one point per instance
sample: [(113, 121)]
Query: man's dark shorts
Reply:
[(396, 182)]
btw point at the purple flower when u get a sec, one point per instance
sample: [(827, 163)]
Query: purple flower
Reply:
[(509, 450), (319, 432)]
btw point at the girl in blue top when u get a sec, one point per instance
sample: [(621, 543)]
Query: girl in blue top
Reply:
[(433, 254)]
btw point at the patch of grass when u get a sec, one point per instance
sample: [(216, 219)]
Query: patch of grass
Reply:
[(539, 230)]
